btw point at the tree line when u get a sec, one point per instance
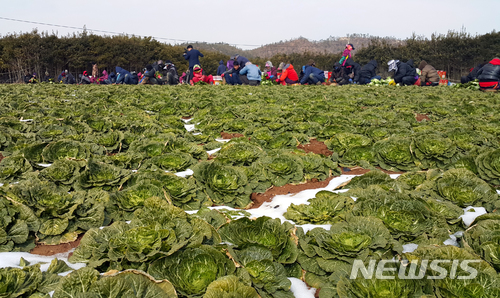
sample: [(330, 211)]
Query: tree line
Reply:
[(454, 52)]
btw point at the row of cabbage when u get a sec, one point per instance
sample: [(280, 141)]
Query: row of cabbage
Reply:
[(165, 252)]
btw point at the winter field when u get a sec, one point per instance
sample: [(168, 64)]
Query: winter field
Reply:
[(271, 191)]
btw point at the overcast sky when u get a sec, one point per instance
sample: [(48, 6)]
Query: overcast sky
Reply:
[(256, 22)]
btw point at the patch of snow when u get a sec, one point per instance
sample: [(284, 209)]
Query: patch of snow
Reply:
[(410, 247), (189, 127), (213, 151), (300, 289), (452, 241), (11, 259), (185, 174), (186, 120), (222, 140), (470, 216), (45, 165), (1, 184), (26, 120), (196, 133), (394, 176), (134, 171)]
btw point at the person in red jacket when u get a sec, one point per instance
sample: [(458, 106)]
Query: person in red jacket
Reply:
[(199, 76), (289, 75)]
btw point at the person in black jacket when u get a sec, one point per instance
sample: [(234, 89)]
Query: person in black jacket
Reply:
[(232, 76), (404, 73), (489, 75), (192, 56), (68, 79), (353, 70), (472, 74), (170, 75), (368, 73), (339, 75), (149, 76), (47, 78)]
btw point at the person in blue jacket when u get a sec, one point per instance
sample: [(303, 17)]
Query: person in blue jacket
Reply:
[(222, 68), (312, 75), (253, 74), (124, 76), (241, 60), (61, 77), (192, 56)]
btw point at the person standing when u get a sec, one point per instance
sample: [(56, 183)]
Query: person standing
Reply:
[(346, 54), (193, 56)]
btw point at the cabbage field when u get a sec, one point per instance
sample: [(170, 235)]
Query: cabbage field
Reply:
[(165, 205)]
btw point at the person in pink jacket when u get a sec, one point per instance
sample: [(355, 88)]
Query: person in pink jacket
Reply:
[(347, 53)]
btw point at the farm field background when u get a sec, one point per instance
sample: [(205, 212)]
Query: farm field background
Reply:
[(148, 182)]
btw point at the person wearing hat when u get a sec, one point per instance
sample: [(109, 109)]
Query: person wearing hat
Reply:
[(312, 74), (170, 75), (489, 75), (47, 78), (270, 72), (347, 53), (429, 75), (339, 75), (404, 73), (288, 76), (199, 76), (85, 80), (193, 56), (353, 70), (229, 63)]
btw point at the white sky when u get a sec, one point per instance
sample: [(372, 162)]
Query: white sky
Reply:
[(255, 22)]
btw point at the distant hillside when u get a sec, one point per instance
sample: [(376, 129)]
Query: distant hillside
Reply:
[(331, 45)]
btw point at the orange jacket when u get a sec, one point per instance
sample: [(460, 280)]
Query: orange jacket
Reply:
[(289, 73)]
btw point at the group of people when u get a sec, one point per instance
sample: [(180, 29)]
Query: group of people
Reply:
[(241, 71)]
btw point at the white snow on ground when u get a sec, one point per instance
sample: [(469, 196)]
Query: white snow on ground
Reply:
[(11, 259), (469, 216), (196, 133), (410, 247), (300, 289), (45, 165), (213, 151), (185, 174), (223, 140), (186, 120), (189, 127)]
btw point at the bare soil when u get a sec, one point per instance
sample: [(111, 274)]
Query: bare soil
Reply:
[(361, 171), (228, 136), (315, 146), (50, 250), (1, 157), (186, 118), (422, 117), (260, 198)]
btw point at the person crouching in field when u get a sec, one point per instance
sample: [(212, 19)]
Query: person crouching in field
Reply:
[(232, 76), (312, 74), (339, 75), (404, 73), (252, 73), (199, 76), (270, 72), (288, 76), (472, 76), (429, 75), (489, 75), (368, 73)]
